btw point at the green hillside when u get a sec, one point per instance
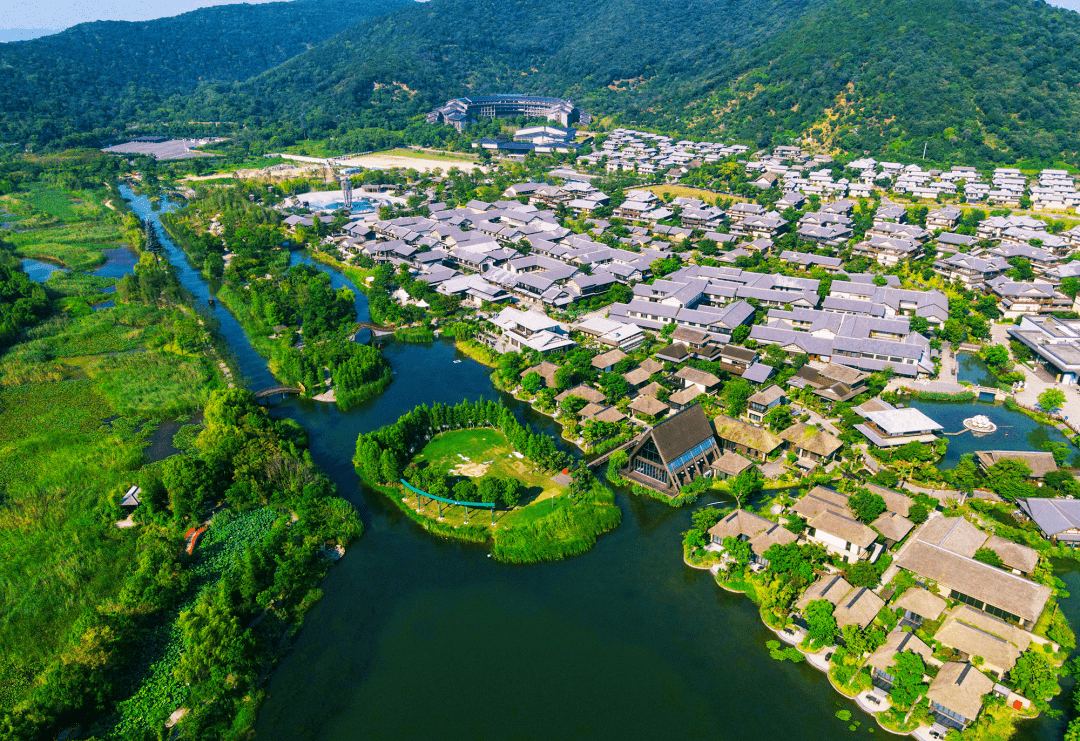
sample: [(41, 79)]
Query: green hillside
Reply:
[(971, 80), (97, 76), (979, 80)]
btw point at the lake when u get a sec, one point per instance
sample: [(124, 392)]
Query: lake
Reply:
[(1016, 431)]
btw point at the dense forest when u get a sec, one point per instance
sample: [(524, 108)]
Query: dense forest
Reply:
[(975, 81), (88, 81)]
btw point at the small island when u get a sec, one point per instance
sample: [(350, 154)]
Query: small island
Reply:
[(473, 472)]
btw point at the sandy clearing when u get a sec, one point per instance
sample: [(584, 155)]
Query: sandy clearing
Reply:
[(420, 164), (472, 470)]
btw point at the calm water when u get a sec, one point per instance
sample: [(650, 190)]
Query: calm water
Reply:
[(417, 638), (38, 271), (971, 369), (118, 262), (1016, 431)]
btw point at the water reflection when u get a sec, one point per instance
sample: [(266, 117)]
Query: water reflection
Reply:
[(1016, 431)]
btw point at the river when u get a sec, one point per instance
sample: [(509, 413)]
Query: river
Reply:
[(417, 637)]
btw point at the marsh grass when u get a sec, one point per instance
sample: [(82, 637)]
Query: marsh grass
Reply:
[(79, 402)]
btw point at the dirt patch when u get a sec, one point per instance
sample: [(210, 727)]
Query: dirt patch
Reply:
[(472, 470), (420, 164)]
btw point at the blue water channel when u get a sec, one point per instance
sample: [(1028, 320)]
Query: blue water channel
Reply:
[(421, 638)]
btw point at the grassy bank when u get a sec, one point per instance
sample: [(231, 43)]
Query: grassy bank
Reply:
[(541, 522)]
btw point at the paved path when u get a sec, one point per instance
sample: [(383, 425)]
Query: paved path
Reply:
[(815, 419)]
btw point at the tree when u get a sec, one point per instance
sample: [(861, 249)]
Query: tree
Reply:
[(532, 382), (918, 512), (1070, 287), (738, 549), (1052, 399), (616, 462), (580, 480), (795, 523), (511, 492), (566, 377), (1033, 676), (490, 489), (389, 467), (705, 517), (988, 556), (735, 395), (995, 355), (1008, 478), (859, 642), (465, 491), (189, 483), (746, 484), (907, 671), (966, 474), (820, 623), (863, 574), (866, 505)]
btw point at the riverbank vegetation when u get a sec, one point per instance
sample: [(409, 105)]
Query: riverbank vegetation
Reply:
[(292, 316), (479, 452)]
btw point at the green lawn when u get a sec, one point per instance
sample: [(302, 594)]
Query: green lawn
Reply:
[(491, 449)]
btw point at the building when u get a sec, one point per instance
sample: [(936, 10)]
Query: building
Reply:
[(745, 439), (746, 526), (971, 271), (702, 381), (730, 465), (674, 453), (956, 694), (891, 427), (832, 383), (883, 659), (812, 446), (975, 633), (919, 606), (1055, 343), (1021, 298), (460, 112), (942, 552), (606, 362), (528, 330), (1039, 462), (1059, 519), (831, 524), (763, 402)]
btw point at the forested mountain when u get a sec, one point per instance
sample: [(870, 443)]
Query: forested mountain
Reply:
[(105, 74), (978, 80), (972, 80)]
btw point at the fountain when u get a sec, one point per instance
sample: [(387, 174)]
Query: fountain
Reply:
[(980, 424)]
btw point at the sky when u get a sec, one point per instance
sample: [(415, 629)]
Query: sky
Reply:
[(59, 14)]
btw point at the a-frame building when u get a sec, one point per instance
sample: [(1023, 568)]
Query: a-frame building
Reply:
[(674, 453)]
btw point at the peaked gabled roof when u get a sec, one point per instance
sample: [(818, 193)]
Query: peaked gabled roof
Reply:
[(681, 432)]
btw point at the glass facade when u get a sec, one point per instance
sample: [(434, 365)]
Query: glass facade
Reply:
[(690, 455), (643, 466), (987, 608)]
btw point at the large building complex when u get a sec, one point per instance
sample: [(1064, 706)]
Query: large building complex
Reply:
[(460, 112)]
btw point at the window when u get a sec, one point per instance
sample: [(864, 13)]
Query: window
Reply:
[(649, 452), (648, 469), (948, 713)]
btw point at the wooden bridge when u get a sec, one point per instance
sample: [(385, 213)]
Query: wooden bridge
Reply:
[(597, 462), (283, 390), (374, 327)]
